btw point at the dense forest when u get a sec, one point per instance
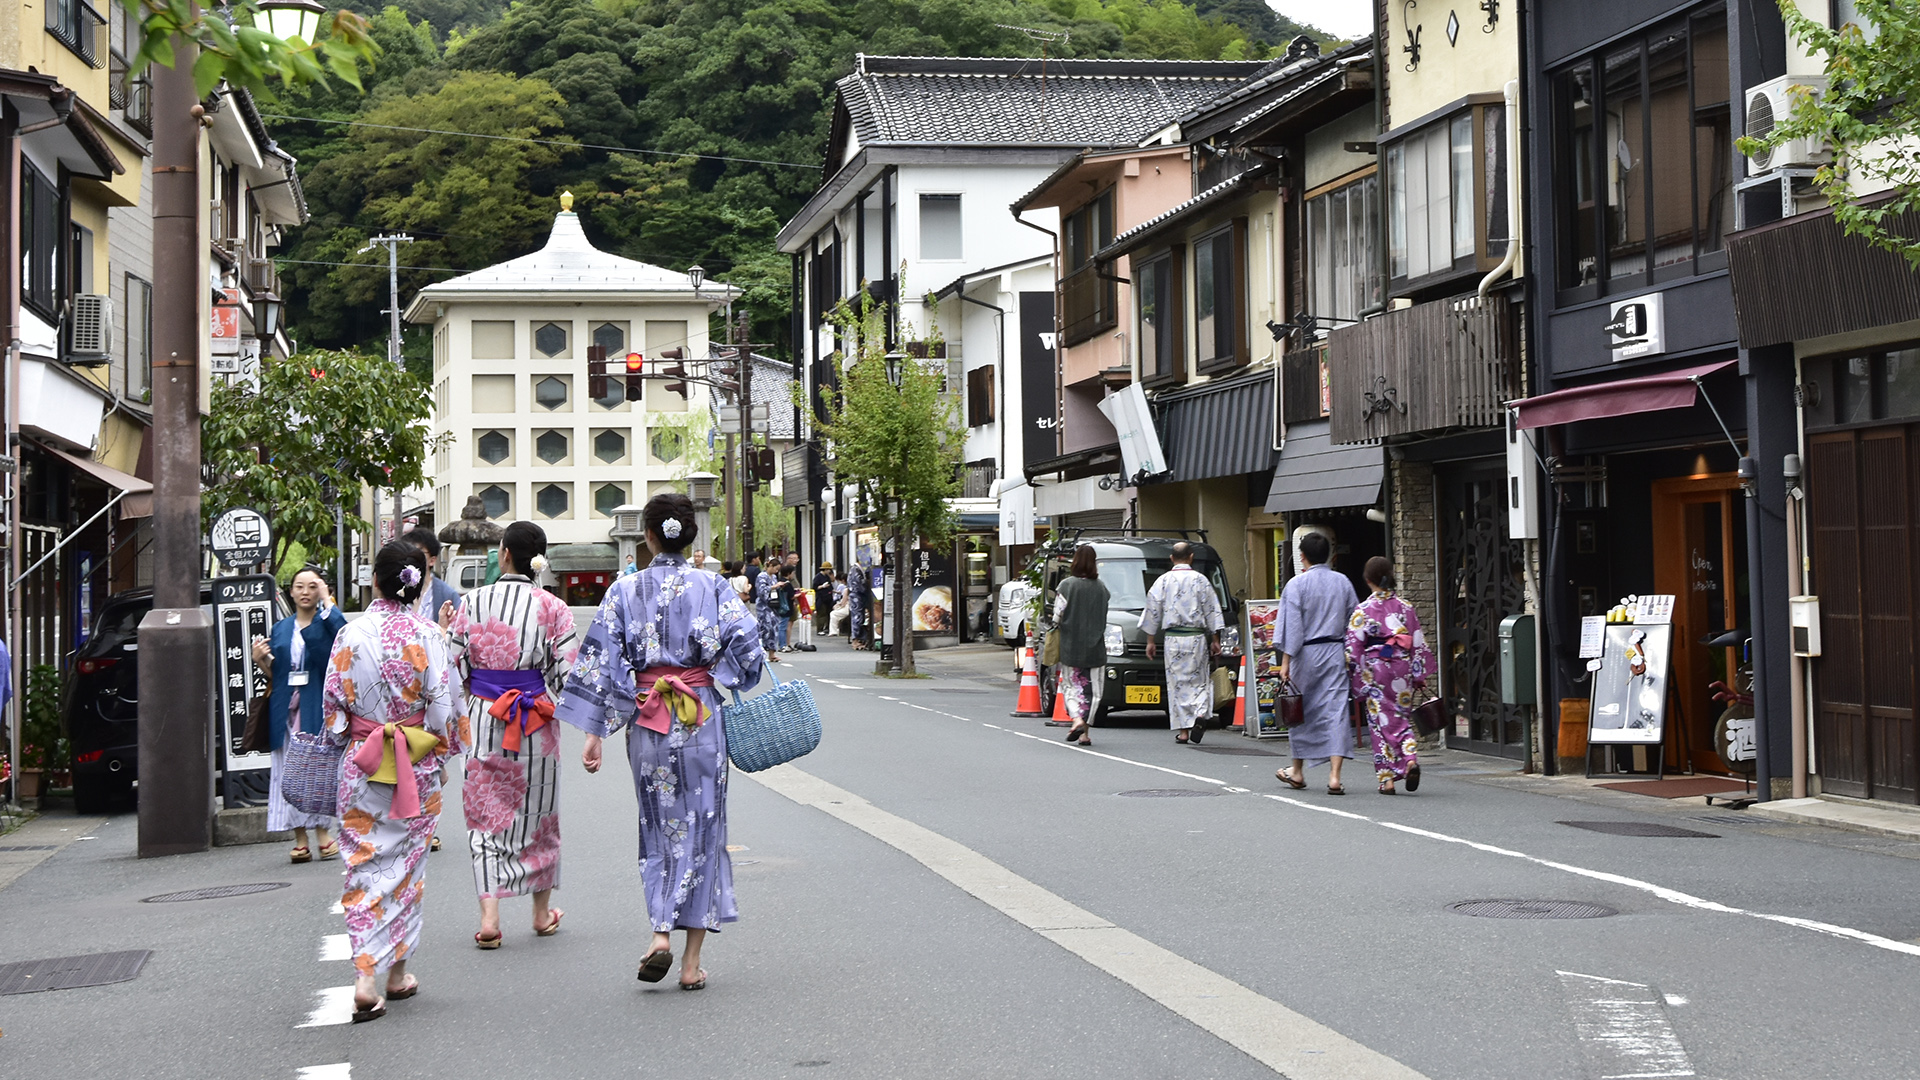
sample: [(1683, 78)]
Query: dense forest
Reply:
[(687, 129)]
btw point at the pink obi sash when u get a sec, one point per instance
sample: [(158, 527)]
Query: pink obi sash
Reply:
[(380, 753), (669, 697)]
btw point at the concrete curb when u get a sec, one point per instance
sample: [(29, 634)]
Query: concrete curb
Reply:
[(242, 825), (1874, 820)]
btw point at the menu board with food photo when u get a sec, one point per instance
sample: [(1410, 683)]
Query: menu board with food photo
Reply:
[(932, 592), (1263, 624)]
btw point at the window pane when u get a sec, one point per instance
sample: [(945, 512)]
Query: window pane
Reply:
[(1626, 165), (1226, 309), (1462, 140), (1853, 396), (1901, 397), (1712, 134), (1149, 304), (940, 227), (611, 337), (1574, 188), (1319, 269), (873, 265), (1672, 135), (1493, 122), (1340, 237), (1397, 210), (1204, 288), (1419, 200), (1373, 284), (1439, 201)]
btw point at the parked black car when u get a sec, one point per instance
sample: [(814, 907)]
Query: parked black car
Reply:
[(102, 699)]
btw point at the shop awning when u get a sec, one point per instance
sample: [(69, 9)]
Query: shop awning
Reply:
[(1621, 397), (1316, 474), (1223, 428), (139, 498)]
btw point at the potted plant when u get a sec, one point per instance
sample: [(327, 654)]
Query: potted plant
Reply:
[(43, 745)]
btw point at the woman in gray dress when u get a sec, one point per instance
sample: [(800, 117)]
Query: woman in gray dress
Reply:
[(1080, 618)]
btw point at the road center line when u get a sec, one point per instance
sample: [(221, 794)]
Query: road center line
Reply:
[(1270, 1033), (335, 947), (332, 1005)]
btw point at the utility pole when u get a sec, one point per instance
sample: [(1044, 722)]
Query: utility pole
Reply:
[(392, 242), (176, 637), (744, 350)]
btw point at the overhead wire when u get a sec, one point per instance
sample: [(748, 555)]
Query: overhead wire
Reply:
[(565, 143)]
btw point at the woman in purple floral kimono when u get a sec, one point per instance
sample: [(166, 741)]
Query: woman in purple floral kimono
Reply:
[(664, 643), (387, 698), (1388, 655)]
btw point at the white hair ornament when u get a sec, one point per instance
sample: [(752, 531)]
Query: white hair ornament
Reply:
[(538, 564), (670, 528)]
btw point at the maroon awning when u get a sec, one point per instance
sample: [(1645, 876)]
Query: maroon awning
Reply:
[(1622, 397)]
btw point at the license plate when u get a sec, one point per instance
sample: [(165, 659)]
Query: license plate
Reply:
[(1143, 695)]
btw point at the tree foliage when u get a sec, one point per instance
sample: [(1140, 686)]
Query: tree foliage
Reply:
[(234, 46), (716, 113), (1869, 114), (317, 424)]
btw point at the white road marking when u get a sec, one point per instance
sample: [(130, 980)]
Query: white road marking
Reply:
[(1270, 1033), (333, 1005), (337, 1071), (335, 947), (1675, 999), (1121, 760), (337, 909), (1623, 1028)]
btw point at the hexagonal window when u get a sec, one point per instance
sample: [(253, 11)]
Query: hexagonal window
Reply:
[(498, 501), (611, 337), (493, 447), (552, 500), (550, 393), (615, 394), (668, 445), (608, 496), (550, 339), (610, 446), (551, 446)]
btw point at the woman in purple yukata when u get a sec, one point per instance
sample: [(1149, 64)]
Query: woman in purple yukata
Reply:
[(663, 644), (1388, 653), (387, 698)]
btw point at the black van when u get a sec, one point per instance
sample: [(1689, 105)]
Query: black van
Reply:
[(1129, 565)]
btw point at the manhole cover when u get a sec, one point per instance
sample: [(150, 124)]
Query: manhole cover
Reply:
[(1166, 793), (71, 972), (1531, 909), (1639, 828), (29, 847), (217, 892)]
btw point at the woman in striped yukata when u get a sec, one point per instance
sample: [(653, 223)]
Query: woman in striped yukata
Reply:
[(514, 644)]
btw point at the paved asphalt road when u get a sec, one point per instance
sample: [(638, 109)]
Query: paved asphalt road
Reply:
[(944, 891)]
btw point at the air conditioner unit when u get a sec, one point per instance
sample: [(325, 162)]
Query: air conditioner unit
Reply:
[(1771, 103), (90, 329)]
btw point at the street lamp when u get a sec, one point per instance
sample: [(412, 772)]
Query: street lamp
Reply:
[(696, 274), (291, 19), (266, 318), (894, 360)]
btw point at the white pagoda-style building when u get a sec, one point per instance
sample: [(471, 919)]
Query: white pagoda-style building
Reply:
[(510, 384)]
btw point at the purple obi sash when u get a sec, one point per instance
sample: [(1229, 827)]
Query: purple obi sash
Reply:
[(519, 697)]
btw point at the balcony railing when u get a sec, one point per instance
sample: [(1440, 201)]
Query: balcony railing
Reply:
[(80, 28), (1087, 304), (260, 275), (1446, 365)]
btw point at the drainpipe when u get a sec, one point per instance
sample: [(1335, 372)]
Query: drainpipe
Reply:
[(1796, 665), (1512, 94)]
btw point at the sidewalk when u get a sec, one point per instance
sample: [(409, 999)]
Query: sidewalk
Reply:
[(1849, 814)]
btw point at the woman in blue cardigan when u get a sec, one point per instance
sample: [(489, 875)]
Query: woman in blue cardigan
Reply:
[(299, 648)]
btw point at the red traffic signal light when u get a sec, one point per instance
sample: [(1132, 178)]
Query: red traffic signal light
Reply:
[(636, 364)]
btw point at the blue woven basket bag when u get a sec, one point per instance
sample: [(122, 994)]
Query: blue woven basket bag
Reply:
[(310, 774), (774, 728)]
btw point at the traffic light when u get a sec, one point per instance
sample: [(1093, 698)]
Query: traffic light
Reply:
[(596, 371), (726, 373), (677, 372), (765, 466), (636, 376)]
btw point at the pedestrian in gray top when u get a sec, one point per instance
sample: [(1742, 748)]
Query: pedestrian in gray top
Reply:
[(1314, 610), (1080, 618)]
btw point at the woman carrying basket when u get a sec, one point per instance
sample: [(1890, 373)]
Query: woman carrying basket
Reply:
[(663, 643)]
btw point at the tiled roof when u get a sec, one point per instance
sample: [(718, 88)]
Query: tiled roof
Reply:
[(1006, 102), (771, 379)]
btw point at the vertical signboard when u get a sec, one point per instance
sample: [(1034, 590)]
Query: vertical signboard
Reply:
[(1263, 687), (1039, 404), (242, 611)]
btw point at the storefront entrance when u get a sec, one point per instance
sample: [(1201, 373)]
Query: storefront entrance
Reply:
[(1863, 512), (1481, 583), (1700, 558)]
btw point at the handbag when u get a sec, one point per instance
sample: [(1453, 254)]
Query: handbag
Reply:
[(310, 775), (774, 728), (1225, 689), (1429, 716), (1289, 706), (256, 738), (1050, 648)]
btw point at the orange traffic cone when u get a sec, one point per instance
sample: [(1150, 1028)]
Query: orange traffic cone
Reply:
[(1059, 718), (1029, 700), (1240, 697)]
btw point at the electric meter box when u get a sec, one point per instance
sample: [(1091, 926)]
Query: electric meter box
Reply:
[(1804, 612), (1516, 661)]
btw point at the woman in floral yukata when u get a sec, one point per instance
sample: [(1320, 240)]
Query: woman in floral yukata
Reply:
[(514, 644), (662, 645), (387, 698), (1390, 660)]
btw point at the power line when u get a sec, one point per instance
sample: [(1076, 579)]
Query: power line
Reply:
[(543, 142), (452, 270)]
